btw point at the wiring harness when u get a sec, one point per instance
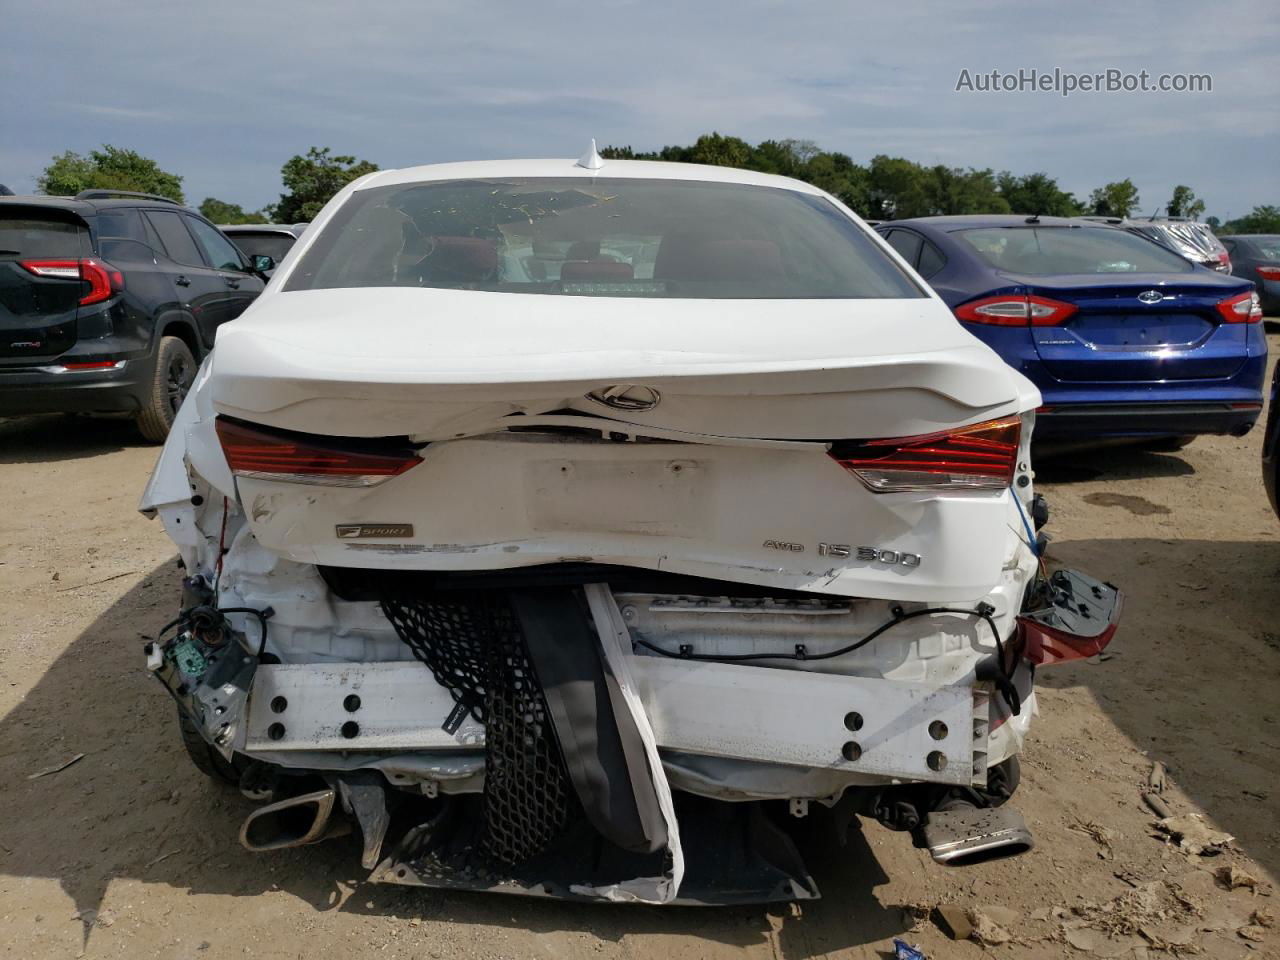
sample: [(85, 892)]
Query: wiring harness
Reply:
[(999, 672)]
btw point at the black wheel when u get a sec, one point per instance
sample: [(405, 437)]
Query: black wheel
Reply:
[(175, 372), (206, 759)]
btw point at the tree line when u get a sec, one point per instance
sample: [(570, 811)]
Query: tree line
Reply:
[(310, 180), (886, 188)]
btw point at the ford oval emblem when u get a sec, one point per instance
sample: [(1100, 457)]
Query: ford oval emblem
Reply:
[(1151, 296), (626, 396)]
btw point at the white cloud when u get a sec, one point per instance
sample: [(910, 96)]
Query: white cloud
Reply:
[(224, 94)]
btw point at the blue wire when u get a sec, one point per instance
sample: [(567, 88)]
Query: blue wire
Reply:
[(1026, 524)]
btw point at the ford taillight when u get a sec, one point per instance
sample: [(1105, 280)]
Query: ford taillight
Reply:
[(1010, 310), (268, 454), (980, 457), (1242, 308), (104, 281)]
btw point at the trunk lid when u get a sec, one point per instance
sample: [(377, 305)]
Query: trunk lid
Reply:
[(437, 364), (1116, 336), (38, 314)]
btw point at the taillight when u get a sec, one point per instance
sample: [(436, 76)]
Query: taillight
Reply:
[(267, 454), (1269, 273), (981, 457), (1243, 308), (1042, 645), (1016, 311), (103, 281)]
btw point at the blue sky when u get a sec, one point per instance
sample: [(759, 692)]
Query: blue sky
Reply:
[(224, 93)]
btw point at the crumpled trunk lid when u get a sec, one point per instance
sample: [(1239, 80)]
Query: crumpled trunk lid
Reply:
[(438, 364)]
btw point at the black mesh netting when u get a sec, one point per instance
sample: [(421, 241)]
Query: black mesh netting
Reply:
[(474, 648)]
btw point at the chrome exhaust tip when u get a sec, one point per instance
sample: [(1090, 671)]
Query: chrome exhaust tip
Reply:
[(967, 835), (294, 822)]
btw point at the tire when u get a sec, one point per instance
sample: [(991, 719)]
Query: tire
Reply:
[(206, 759), (175, 372)]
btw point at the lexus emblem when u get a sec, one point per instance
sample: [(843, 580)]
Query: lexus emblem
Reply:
[(626, 396), (1151, 296)]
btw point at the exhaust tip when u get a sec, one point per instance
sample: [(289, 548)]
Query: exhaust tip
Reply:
[(967, 835), (291, 823)]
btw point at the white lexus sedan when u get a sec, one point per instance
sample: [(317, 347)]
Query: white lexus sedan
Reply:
[(571, 528)]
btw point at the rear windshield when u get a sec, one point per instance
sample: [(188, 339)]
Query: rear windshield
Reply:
[(273, 245), (602, 237), (26, 236), (1268, 247), (1049, 250)]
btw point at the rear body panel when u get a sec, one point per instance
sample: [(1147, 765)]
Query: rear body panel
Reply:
[(709, 510), (1115, 336), (725, 476)]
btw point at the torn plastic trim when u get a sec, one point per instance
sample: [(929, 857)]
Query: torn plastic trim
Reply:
[(1079, 621), (615, 642)]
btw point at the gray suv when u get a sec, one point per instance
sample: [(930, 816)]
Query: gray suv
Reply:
[(108, 302)]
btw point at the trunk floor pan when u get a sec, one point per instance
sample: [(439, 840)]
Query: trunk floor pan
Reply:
[(734, 854)]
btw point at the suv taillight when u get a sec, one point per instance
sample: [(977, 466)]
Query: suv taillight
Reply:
[(104, 282), (268, 454), (981, 457), (1016, 311), (1243, 308)]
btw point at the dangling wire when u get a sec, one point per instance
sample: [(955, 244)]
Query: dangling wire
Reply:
[(222, 549)]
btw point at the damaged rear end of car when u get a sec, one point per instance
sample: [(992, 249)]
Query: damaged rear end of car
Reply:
[(573, 529)]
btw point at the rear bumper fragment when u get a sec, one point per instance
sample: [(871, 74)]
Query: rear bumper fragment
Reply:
[(32, 390), (1080, 421)]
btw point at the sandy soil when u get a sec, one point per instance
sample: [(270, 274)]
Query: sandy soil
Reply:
[(129, 852)]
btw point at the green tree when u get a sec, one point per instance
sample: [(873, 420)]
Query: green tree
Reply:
[(897, 188), (110, 168), (952, 190), (1185, 204), (722, 151), (1214, 223), (1264, 219), (219, 211), (1037, 194), (1117, 199), (312, 180), (837, 174)]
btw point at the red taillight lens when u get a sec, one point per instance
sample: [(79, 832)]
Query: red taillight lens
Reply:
[(1016, 311), (1269, 273), (1044, 646), (103, 281), (92, 365), (981, 457), (1244, 308), (268, 454)]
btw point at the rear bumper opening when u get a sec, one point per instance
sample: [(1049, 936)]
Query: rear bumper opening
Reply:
[(534, 741), (1067, 420)]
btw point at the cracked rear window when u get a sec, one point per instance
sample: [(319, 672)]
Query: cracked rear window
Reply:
[(601, 237)]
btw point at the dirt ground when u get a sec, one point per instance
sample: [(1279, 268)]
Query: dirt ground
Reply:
[(129, 852)]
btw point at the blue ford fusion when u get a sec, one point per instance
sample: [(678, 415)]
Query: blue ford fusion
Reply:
[(1123, 337)]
